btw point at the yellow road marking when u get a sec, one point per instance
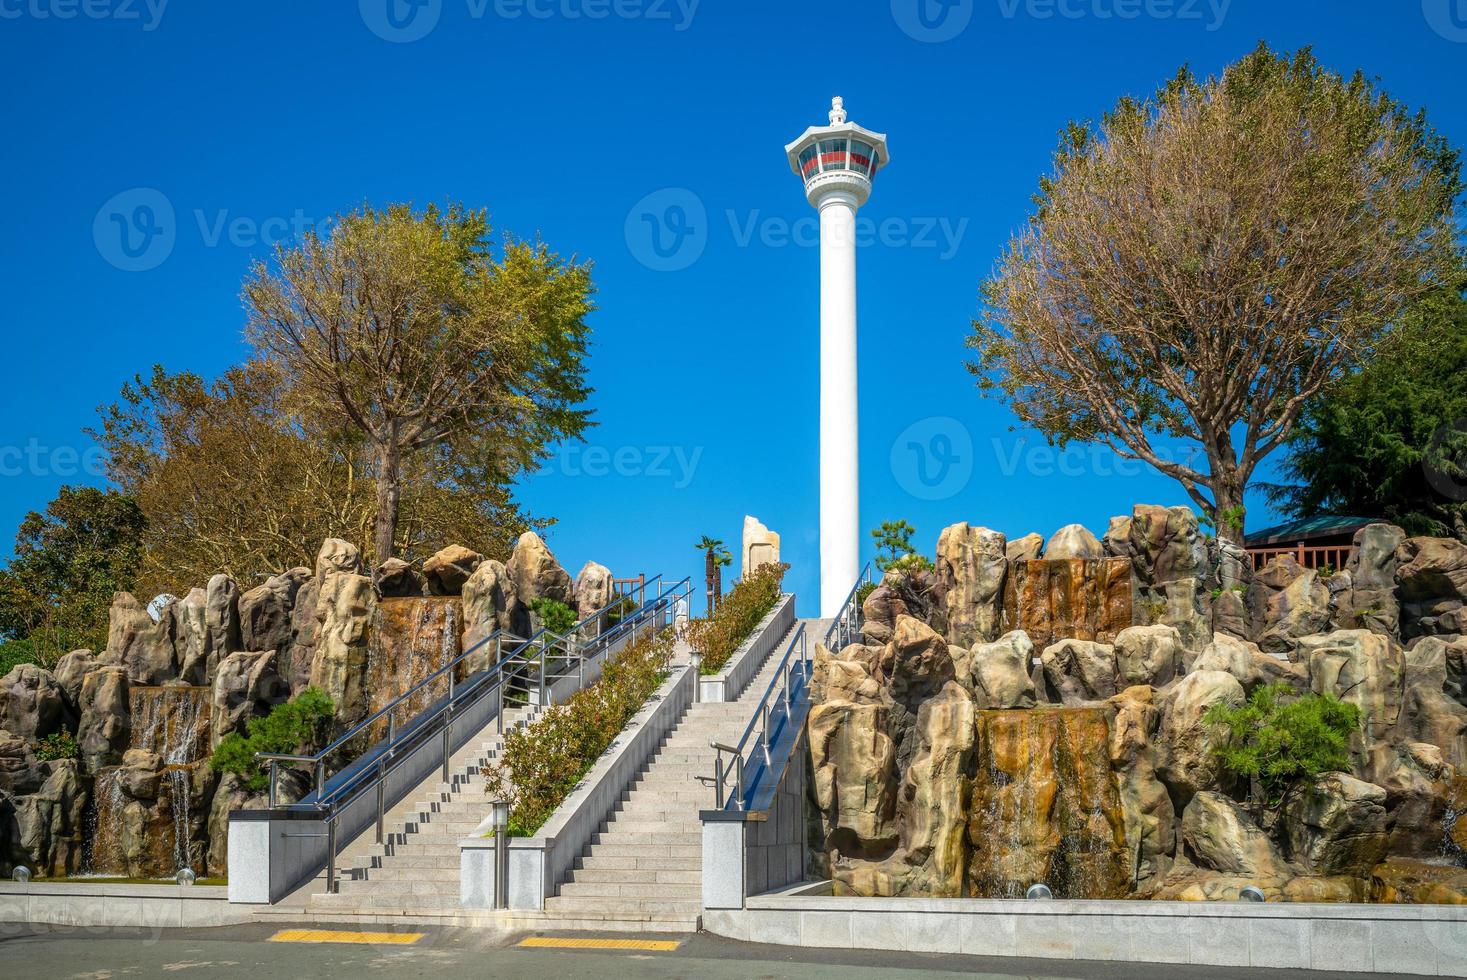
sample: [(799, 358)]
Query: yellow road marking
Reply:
[(361, 938), (646, 945)]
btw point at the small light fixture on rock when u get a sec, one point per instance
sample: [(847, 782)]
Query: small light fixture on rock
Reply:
[(186, 876), (1039, 893), (21, 875), (1252, 894)]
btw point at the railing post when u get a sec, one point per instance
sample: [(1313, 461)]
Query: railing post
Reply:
[(447, 743), (381, 804), (391, 728), (274, 776), (718, 778), (320, 779), (331, 887), (544, 697), (740, 801), (764, 734), (502, 682)]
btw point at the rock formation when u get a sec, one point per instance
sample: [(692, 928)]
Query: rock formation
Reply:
[(1098, 772), (971, 566), (448, 570)]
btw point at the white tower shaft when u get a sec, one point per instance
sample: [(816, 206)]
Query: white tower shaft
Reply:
[(837, 164), (840, 491)]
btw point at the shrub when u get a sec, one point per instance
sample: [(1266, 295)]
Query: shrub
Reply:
[(543, 762), (1281, 740), (298, 726), (719, 635), (556, 616), (57, 745), (864, 592), (13, 653)]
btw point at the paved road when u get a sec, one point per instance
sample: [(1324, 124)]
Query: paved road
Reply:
[(244, 951)]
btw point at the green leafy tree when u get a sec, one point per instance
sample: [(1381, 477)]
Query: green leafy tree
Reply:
[(297, 726), (293, 478), (1390, 441), (893, 543), (405, 328), (1279, 740), (68, 562), (1203, 263)]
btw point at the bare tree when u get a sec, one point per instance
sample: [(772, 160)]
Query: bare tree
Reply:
[(1202, 263), (403, 326)]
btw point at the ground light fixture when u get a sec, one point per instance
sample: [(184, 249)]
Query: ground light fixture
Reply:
[(186, 876), (21, 875), (499, 820), (1039, 893), (697, 661), (1252, 894)]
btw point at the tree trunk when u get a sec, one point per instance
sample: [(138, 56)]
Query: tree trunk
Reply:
[(718, 584), (710, 570), (1227, 512), (389, 496)]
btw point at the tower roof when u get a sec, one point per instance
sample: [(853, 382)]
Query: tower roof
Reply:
[(838, 127)]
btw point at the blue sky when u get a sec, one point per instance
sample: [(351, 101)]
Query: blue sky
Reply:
[(576, 120)]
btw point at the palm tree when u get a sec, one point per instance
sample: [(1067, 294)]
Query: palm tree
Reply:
[(715, 556)]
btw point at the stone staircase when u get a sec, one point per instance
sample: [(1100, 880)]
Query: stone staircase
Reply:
[(416, 867), (645, 865)]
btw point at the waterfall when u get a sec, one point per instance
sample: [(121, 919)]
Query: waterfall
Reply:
[(411, 639), (143, 823), (1046, 807)]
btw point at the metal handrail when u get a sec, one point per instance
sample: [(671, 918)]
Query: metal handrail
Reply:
[(498, 637), (846, 623), (848, 620), (439, 720), (764, 717)]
